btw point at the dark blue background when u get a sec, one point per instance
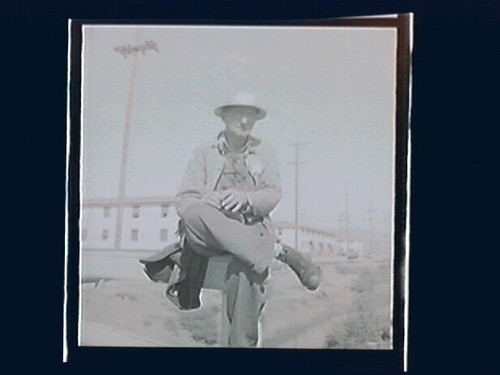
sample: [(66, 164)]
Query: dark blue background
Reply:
[(454, 217)]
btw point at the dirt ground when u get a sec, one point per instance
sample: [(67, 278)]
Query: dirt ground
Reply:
[(351, 309)]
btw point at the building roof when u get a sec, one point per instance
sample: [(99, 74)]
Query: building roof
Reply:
[(288, 225), (130, 201)]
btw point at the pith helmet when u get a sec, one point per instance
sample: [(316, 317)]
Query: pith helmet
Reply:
[(242, 99)]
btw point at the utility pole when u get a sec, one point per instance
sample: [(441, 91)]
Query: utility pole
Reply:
[(370, 229), (128, 51), (296, 163), (346, 202), (341, 229)]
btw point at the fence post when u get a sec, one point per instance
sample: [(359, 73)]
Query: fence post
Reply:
[(215, 279)]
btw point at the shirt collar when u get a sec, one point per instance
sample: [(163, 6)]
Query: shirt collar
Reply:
[(247, 149)]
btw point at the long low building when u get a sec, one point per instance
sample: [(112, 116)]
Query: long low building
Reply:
[(317, 242), (151, 224), (146, 223)]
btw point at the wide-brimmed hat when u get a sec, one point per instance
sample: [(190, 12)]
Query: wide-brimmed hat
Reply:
[(242, 99)]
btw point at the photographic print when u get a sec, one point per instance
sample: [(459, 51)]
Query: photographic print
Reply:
[(243, 185)]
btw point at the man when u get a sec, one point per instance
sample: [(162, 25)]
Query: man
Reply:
[(230, 187)]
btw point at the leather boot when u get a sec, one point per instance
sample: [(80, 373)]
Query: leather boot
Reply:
[(185, 292), (310, 274)]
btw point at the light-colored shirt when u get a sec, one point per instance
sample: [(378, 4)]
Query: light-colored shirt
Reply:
[(205, 172)]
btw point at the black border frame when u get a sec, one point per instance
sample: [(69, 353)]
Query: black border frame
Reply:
[(453, 236), (371, 361)]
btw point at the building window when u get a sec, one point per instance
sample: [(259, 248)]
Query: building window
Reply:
[(105, 234), (107, 211), (164, 210), (134, 235), (163, 235), (136, 211)]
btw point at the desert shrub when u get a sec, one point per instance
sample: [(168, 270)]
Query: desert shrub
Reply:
[(202, 325), (373, 279), (346, 268), (363, 285), (367, 325), (362, 330)]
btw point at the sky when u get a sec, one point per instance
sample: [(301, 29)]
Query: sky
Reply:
[(331, 88)]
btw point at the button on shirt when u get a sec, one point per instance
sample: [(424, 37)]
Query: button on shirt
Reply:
[(236, 175)]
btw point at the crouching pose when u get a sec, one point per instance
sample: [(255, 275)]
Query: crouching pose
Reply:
[(230, 187)]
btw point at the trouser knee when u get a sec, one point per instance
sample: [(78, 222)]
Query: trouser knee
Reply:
[(194, 214)]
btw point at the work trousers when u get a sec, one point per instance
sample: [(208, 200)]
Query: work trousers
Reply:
[(209, 232)]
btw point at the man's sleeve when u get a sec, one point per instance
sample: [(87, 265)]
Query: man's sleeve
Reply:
[(263, 201), (193, 184)]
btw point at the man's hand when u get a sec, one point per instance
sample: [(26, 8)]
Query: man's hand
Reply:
[(212, 199), (233, 200)]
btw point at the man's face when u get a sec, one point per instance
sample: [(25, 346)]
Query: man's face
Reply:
[(239, 120)]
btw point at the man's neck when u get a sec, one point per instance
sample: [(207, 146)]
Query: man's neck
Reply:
[(235, 144)]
